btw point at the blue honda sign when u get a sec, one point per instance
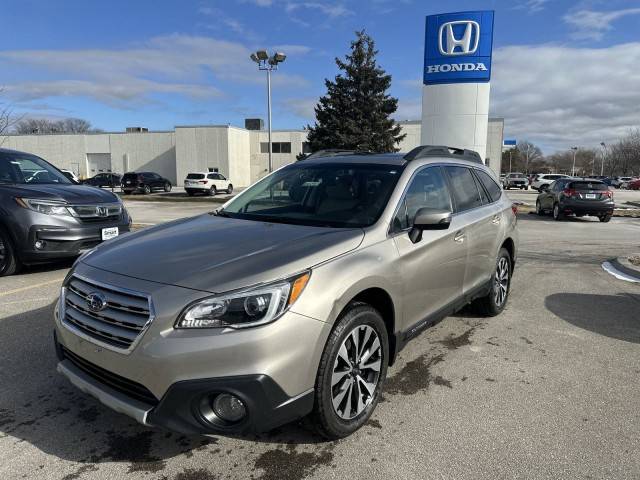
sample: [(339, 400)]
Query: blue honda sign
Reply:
[(458, 47)]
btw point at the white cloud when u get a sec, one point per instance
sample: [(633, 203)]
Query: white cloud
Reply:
[(592, 25), (559, 96), (533, 6), (330, 9), (302, 107), (174, 64)]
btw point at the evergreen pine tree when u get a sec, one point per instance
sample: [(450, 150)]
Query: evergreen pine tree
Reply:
[(355, 113)]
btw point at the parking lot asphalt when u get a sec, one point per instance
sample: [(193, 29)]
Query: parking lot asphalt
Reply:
[(548, 389)]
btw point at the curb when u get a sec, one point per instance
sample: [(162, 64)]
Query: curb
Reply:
[(617, 268), (624, 265)]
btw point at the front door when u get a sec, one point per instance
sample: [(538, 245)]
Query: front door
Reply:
[(433, 268)]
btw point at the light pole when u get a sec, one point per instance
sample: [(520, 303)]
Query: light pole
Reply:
[(573, 168), (604, 152), (268, 63)]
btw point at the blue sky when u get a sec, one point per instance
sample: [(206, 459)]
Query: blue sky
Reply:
[(565, 72)]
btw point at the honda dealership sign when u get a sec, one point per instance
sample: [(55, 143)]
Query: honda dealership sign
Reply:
[(457, 70), (458, 47)]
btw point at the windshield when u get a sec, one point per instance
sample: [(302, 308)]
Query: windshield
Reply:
[(516, 175), (23, 168), (331, 195)]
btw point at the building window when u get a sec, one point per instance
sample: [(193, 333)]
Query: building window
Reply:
[(276, 147), (306, 147)]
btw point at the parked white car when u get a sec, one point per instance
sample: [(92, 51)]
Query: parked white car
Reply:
[(208, 183), (545, 179), (625, 181)]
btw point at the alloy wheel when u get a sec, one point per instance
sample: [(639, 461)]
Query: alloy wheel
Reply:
[(3, 254), (356, 372), (501, 281)]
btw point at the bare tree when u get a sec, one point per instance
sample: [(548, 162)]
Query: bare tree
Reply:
[(530, 152), (35, 125), (7, 120), (623, 157)]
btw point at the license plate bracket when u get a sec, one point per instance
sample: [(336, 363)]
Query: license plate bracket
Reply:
[(109, 233)]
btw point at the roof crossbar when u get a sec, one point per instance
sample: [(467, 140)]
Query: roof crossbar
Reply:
[(424, 151)]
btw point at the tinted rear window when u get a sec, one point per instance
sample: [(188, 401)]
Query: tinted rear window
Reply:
[(490, 184), (465, 192), (587, 186), (195, 176), (130, 176)]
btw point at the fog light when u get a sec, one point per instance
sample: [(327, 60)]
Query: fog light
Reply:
[(39, 244), (229, 408)]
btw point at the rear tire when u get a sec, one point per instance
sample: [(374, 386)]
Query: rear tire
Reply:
[(212, 191), (230, 189), (146, 189), (557, 214), (539, 209), (605, 218), (167, 187), (494, 302), (191, 193), (352, 370), (9, 263)]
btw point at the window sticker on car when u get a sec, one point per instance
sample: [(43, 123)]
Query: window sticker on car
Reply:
[(312, 184)]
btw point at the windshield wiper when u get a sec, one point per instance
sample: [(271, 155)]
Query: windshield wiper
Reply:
[(220, 213)]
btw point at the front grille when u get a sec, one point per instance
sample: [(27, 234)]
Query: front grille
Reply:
[(105, 212), (110, 218), (120, 322), (118, 383)]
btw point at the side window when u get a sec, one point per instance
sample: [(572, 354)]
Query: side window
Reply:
[(464, 189), (483, 194), (494, 190), (212, 176), (221, 177), (554, 186), (428, 189)]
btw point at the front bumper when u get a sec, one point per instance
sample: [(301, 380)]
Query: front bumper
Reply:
[(185, 407), (271, 368)]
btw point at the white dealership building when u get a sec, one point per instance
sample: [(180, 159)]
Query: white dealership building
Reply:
[(238, 153)]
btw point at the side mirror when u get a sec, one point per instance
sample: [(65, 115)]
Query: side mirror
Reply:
[(429, 219), (544, 188)]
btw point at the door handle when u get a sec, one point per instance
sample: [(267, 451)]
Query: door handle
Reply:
[(459, 237), (496, 219)]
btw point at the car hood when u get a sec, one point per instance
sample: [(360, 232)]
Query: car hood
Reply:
[(216, 254), (74, 194)]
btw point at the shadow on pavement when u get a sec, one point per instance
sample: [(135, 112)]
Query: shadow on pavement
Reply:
[(40, 407), (534, 217), (615, 316)]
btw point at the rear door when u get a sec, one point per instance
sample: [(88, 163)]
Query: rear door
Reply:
[(433, 268), (479, 223)]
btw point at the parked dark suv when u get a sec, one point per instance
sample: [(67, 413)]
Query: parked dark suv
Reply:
[(44, 216), (144, 182), (106, 179), (576, 196)]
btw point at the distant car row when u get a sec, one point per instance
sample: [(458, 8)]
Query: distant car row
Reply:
[(537, 181), (208, 183)]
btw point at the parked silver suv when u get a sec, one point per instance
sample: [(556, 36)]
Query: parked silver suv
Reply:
[(293, 298)]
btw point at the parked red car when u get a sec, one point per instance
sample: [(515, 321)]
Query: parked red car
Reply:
[(634, 185)]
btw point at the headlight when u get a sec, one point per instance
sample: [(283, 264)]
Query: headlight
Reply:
[(247, 308), (48, 207)]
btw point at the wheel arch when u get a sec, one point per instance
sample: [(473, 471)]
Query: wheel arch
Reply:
[(510, 246), (380, 299)]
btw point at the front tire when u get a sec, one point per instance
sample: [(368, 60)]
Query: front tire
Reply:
[(539, 209), (494, 302), (9, 263), (352, 370)]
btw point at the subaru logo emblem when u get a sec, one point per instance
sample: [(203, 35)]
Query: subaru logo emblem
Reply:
[(96, 301), (466, 41), (102, 211)]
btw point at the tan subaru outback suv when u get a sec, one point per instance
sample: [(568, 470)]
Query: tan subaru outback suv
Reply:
[(290, 300)]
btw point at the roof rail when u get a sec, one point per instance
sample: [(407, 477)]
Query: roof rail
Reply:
[(442, 151), (336, 152)]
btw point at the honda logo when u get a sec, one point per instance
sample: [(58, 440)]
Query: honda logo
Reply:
[(467, 41), (102, 211)]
